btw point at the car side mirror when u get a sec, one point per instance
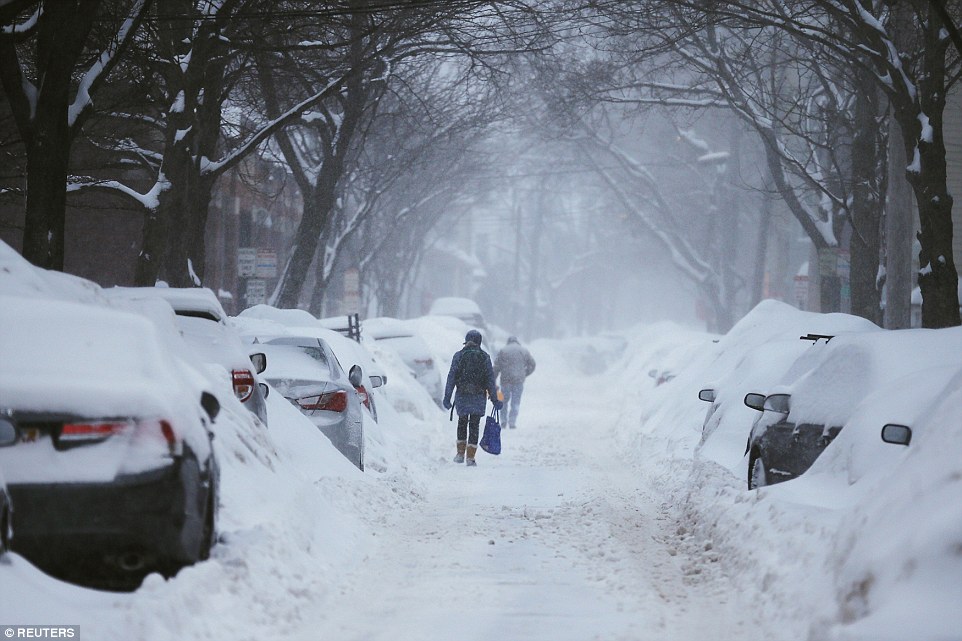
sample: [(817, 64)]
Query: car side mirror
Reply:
[(259, 361), (755, 401), (897, 434), (210, 404), (265, 389), (653, 373), (707, 395), (378, 381), (8, 433), (356, 376), (777, 403)]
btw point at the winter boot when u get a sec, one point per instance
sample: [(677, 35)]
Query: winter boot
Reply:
[(459, 457), (472, 449)]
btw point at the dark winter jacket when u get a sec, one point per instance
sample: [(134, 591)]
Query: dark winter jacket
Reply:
[(470, 403), (514, 363)]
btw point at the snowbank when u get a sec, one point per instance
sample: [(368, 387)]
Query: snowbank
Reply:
[(291, 513), (866, 544)]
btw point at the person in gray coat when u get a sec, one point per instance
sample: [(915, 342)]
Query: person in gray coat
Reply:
[(514, 363)]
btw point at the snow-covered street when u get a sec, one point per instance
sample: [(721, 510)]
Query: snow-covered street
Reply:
[(557, 539), (562, 536), (617, 510)]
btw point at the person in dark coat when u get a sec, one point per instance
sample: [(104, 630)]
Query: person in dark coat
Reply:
[(514, 363), (475, 384)]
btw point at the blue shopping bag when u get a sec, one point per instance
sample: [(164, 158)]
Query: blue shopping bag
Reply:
[(491, 439)]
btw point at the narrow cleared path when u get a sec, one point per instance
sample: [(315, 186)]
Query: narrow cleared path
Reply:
[(556, 539)]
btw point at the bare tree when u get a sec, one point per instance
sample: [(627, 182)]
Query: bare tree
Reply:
[(912, 65), (51, 69), (817, 119)]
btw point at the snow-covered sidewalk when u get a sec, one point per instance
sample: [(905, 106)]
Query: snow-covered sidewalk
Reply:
[(558, 538)]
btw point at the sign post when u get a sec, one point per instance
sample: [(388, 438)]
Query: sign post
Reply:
[(246, 262)]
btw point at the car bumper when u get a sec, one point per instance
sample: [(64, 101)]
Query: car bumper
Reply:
[(155, 517)]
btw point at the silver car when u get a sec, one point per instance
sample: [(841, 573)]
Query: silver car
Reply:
[(305, 371)]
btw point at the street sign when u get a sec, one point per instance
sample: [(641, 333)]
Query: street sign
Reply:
[(827, 261), (844, 265), (256, 293), (246, 261), (266, 263), (801, 291)]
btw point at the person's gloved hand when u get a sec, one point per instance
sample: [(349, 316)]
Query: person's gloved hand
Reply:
[(446, 403), (497, 404)]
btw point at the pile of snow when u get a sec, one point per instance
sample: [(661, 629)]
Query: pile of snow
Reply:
[(292, 507), (865, 545)]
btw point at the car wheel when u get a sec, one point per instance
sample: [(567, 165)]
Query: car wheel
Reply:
[(756, 474)]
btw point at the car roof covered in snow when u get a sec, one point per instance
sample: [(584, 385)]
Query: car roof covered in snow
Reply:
[(189, 301), (454, 306)]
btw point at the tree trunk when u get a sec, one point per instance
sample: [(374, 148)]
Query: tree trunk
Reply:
[(322, 201), (926, 172), (47, 159), (866, 208), (534, 274), (761, 248), (63, 29), (899, 221), (193, 131)]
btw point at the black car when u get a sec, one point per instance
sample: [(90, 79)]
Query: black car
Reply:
[(778, 448), (8, 436), (112, 472)]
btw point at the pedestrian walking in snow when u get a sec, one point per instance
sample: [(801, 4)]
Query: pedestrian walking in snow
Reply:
[(514, 363), (473, 375)]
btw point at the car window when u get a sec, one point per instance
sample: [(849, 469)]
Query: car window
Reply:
[(316, 353), (197, 314), (312, 348)]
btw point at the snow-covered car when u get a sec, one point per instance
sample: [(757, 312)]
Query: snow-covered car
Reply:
[(464, 309), (8, 436), (412, 349), (305, 371), (203, 324), (113, 474), (825, 388), (265, 320), (350, 353)]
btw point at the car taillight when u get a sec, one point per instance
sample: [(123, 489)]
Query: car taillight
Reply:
[(162, 428), (362, 394), (331, 401), (243, 384), (98, 431), (93, 431)]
